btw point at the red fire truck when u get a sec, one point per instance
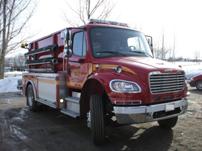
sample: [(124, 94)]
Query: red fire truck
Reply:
[(103, 72)]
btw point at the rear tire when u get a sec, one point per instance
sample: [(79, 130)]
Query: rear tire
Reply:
[(168, 123), (199, 85), (31, 102), (97, 119)]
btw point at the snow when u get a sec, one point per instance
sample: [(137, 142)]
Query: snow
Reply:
[(13, 74), (191, 68), (9, 83)]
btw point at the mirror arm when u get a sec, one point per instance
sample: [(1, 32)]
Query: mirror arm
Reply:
[(150, 42)]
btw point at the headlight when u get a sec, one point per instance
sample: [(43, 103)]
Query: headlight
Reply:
[(122, 86)]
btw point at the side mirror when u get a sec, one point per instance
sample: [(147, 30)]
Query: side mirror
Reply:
[(24, 45), (150, 42), (69, 52), (66, 36)]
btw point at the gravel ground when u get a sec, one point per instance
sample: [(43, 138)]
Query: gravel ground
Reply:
[(49, 130)]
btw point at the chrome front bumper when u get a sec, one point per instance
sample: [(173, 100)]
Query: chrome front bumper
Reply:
[(142, 114)]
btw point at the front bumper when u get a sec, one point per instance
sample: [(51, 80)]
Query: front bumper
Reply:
[(142, 114)]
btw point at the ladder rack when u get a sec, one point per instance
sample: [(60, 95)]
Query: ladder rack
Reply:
[(46, 54), (49, 48)]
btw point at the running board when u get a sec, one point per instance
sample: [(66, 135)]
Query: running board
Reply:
[(72, 99), (48, 103), (70, 113)]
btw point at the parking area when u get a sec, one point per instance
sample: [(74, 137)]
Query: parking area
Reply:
[(49, 130)]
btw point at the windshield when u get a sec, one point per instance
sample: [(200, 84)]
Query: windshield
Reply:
[(107, 42)]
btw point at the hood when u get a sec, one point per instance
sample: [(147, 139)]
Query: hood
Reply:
[(141, 64), (149, 63)]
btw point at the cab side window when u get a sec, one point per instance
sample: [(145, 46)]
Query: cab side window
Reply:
[(79, 44)]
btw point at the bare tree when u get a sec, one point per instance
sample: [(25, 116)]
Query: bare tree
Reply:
[(197, 55), (174, 43), (162, 52), (13, 18), (99, 9)]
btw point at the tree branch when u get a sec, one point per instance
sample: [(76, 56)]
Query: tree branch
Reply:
[(87, 9), (97, 5)]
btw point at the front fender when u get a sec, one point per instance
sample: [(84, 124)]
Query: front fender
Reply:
[(104, 79)]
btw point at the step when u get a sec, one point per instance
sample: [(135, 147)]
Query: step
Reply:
[(73, 100), (72, 104), (48, 103), (70, 113)]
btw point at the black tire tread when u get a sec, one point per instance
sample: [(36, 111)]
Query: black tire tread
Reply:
[(97, 119), (34, 106)]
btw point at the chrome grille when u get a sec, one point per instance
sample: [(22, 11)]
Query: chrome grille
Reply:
[(166, 82)]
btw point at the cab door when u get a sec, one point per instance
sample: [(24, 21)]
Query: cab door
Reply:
[(78, 69)]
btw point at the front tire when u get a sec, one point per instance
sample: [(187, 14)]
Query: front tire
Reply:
[(168, 123), (31, 102), (97, 119), (199, 85)]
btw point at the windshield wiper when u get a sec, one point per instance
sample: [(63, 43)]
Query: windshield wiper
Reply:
[(141, 52), (112, 52)]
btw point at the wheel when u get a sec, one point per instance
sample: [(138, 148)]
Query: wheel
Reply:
[(33, 106), (168, 123), (97, 119), (199, 85)]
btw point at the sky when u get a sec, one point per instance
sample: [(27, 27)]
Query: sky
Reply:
[(179, 21)]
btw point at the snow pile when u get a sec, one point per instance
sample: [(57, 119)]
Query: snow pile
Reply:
[(13, 74), (9, 83), (190, 67)]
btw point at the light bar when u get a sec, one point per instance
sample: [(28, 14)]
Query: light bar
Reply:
[(97, 21)]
